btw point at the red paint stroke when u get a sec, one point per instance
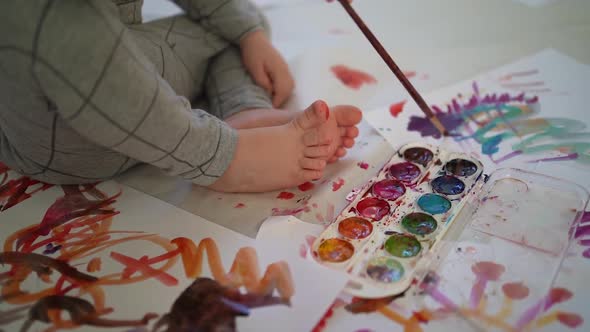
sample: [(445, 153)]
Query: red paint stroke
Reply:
[(306, 186), (397, 108), (569, 319), (321, 325), (352, 78), (240, 205), (515, 290), (144, 268), (336, 185), (363, 165), (71, 206), (285, 195), (14, 191)]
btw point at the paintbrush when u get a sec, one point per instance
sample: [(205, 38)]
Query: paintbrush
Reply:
[(394, 68)]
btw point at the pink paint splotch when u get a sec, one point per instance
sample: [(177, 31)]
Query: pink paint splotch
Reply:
[(240, 205), (306, 186), (363, 165), (352, 78), (285, 195), (336, 185)]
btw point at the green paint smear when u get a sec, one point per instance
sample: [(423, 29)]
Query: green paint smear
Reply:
[(404, 246), (434, 204), (419, 223), (516, 121)]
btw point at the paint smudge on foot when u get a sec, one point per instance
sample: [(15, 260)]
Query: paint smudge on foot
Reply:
[(352, 78), (397, 108), (285, 195), (306, 186), (336, 185)]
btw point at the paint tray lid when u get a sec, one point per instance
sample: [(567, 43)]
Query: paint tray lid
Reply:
[(496, 265)]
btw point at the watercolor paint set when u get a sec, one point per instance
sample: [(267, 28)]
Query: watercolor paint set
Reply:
[(411, 222), (383, 233)]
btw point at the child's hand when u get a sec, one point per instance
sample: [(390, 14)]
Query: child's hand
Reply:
[(267, 66)]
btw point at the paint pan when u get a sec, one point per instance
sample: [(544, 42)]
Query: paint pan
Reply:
[(382, 235), (506, 246)]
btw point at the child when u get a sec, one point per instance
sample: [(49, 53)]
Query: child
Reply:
[(87, 91)]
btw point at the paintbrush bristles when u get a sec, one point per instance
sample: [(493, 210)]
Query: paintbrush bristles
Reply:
[(393, 67)]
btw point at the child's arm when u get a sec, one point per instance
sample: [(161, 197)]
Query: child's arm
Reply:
[(241, 23), (87, 64), (229, 19)]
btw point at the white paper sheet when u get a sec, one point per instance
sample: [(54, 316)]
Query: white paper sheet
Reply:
[(139, 212), (553, 136)]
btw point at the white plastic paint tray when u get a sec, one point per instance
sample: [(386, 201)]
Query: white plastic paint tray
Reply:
[(495, 268)]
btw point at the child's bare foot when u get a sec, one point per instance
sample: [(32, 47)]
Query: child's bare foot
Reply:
[(341, 125), (271, 158)]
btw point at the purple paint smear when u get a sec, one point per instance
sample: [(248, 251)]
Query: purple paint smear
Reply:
[(555, 296), (455, 114), (582, 231), (571, 156)]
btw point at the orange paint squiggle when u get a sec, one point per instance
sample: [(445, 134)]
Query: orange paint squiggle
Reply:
[(243, 272)]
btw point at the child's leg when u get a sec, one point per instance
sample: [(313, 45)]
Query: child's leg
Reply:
[(181, 51), (233, 96), (230, 89)]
